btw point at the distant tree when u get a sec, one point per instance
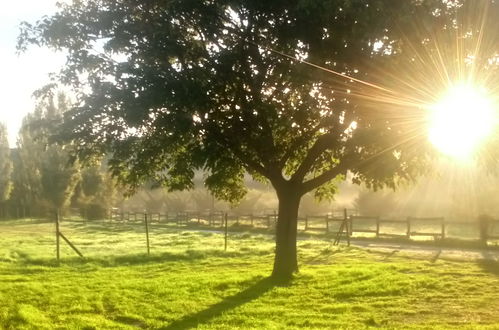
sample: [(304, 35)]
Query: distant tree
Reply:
[(375, 203), (169, 87), (177, 202), (26, 174), (249, 204), (59, 175), (95, 193), (153, 199), (46, 176), (5, 168)]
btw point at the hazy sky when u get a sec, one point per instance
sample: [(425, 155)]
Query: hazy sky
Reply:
[(22, 74)]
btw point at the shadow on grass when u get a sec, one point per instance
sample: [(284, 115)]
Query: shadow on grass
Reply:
[(321, 257), (138, 226), (247, 295), (491, 266), (100, 226), (389, 255), (139, 259), (435, 257)]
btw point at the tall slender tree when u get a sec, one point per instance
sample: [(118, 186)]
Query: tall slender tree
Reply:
[(5, 169), (45, 176)]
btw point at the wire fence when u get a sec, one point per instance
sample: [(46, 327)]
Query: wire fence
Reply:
[(358, 225), (73, 231)]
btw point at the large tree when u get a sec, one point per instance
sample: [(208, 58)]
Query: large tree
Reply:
[(171, 86)]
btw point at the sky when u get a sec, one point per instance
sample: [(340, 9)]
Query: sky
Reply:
[(22, 74)]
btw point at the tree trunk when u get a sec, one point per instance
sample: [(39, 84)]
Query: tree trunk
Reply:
[(286, 263)]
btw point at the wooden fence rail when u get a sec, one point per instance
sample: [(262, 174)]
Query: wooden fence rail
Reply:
[(435, 227)]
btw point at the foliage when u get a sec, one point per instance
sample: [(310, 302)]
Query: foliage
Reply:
[(185, 85), (5, 165), (59, 175), (95, 193), (26, 176), (45, 175), (375, 203)]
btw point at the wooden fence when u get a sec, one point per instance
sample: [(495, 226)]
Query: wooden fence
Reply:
[(357, 225), (214, 219)]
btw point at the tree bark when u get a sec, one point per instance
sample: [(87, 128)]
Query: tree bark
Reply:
[(285, 262)]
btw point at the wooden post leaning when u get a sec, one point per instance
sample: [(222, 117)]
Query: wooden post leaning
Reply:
[(147, 234), (226, 234), (343, 227), (57, 236)]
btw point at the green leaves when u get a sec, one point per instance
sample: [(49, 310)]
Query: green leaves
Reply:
[(6, 165), (170, 87)]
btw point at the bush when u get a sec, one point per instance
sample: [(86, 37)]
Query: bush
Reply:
[(94, 211)]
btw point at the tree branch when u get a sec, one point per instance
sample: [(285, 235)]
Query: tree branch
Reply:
[(305, 137), (326, 176), (322, 143)]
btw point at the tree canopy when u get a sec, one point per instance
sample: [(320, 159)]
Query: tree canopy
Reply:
[(294, 92), (45, 177)]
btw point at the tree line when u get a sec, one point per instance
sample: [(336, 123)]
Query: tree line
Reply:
[(38, 177)]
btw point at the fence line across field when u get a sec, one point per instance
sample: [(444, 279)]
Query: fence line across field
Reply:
[(435, 227), (410, 227), (342, 225), (347, 224)]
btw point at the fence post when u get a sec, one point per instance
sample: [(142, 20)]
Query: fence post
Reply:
[(306, 222), (409, 227), (443, 229), (57, 236), (348, 226), (377, 227), (147, 234), (226, 231), (483, 222)]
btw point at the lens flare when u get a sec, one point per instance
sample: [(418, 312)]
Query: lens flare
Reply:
[(461, 121)]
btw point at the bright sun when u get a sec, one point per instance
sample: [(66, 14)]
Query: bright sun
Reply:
[(461, 120)]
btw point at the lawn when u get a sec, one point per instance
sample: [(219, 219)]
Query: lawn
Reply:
[(189, 281)]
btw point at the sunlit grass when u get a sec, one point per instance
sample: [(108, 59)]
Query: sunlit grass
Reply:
[(189, 281)]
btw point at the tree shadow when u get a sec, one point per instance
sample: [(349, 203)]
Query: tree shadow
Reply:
[(389, 255), (322, 257), (135, 259), (435, 257), (488, 264), (247, 295)]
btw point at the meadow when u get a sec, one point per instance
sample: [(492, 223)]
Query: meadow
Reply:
[(189, 281)]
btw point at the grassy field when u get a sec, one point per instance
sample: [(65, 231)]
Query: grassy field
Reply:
[(188, 281)]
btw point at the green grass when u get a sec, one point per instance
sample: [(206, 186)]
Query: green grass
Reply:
[(188, 281)]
